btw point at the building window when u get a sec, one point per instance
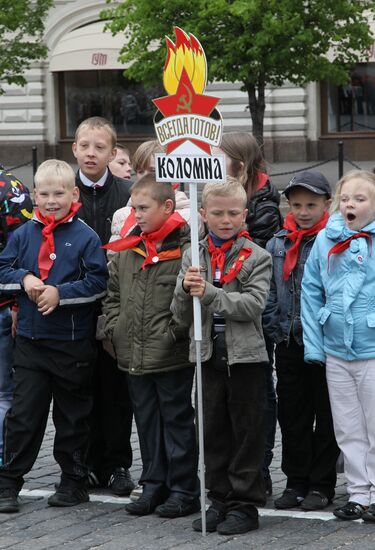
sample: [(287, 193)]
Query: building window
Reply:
[(351, 108), (107, 93)]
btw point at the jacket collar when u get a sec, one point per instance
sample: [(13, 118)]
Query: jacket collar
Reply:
[(337, 230)]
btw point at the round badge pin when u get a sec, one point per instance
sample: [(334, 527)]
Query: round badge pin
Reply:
[(155, 259), (52, 256)]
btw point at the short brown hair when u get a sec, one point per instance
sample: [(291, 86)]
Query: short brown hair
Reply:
[(142, 157), (231, 188), (98, 122), (160, 192)]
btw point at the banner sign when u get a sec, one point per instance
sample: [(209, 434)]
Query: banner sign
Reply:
[(187, 115)]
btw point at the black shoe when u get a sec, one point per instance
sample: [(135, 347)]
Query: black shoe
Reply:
[(68, 496), (145, 505), (369, 515), (214, 516), (289, 499), (268, 486), (176, 508), (120, 482), (315, 500), (351, 510), (9, 500), (237, 522)]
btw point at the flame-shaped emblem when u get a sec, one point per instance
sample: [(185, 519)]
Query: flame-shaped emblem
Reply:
[(186, 54)]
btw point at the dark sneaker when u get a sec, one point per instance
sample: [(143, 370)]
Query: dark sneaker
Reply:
[(289, 499), (93, 480), (214, 516), (144, 505), (351, 510), (315, 500), (369, 515), (68, 496), (120, 482), (268, 486), (237, 522), (9, 500), (136, 493), (176, 508)]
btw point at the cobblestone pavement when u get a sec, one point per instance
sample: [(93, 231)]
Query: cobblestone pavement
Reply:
[(103, 523)]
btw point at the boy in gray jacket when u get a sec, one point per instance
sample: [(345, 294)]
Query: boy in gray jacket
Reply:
[(232, 283)]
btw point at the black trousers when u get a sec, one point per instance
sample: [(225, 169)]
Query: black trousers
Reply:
[(111, 418), (165, 421), (234, 435), (271, 411), (45, 370), (309, 449)]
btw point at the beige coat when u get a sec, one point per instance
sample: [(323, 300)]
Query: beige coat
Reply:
[(241, 302)]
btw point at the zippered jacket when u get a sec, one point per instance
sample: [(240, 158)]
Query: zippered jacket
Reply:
[(99, 205), (241, 302), (264, 218), (139, 322), (282, 316), (79, 272), (338, 296)]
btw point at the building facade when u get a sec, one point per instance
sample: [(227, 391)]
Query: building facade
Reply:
[(82, 77)]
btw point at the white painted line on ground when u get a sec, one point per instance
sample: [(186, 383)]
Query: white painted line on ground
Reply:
[(111, 499)]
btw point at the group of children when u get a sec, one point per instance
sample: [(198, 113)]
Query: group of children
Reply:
[(309, 295)]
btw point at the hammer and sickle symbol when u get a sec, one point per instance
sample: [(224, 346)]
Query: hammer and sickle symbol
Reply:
[(185, 104)]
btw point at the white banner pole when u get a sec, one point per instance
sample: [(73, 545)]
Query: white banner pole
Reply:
[(194, 232)]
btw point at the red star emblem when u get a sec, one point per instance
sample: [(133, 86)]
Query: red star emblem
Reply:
[(186, 102)]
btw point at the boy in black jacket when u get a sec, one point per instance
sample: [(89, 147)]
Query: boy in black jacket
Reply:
[(56, 266), (101, 194)]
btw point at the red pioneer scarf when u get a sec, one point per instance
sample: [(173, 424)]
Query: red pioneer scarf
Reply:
[(217, 257), (175, 221), (47, 255), (340, 247), (296, 235)]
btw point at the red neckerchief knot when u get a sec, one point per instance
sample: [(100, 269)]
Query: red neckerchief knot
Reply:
[(343, 245), (175, 221), (47, 255), (296, 235), (218, 255)]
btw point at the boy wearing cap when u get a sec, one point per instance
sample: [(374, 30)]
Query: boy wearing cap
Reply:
[(309, 449)]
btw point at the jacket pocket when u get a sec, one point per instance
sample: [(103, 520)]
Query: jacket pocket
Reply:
[(323, 315), (371, 320), (163, 292)]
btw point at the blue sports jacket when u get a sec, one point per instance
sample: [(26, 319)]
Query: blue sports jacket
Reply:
[(79, 272), (338, 297)]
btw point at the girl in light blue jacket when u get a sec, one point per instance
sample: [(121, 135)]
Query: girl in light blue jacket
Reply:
[(338, 318)]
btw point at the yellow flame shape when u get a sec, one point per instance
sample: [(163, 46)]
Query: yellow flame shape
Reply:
[(186, 54)]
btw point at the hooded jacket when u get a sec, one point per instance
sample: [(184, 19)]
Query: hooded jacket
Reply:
[(338, 297)]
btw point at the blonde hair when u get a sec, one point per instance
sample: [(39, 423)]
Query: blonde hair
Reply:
[(142, 157), (100, 123), (55, 171), (364, 175), (160, 192), (231, 188), (247, 158)]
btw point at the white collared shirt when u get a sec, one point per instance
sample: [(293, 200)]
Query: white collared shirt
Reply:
[(86, 181)]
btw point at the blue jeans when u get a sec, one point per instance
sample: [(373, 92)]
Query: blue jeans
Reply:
[(6, 364)]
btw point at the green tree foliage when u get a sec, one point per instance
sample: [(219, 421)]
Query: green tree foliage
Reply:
[(21, 37), (256, 42)]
